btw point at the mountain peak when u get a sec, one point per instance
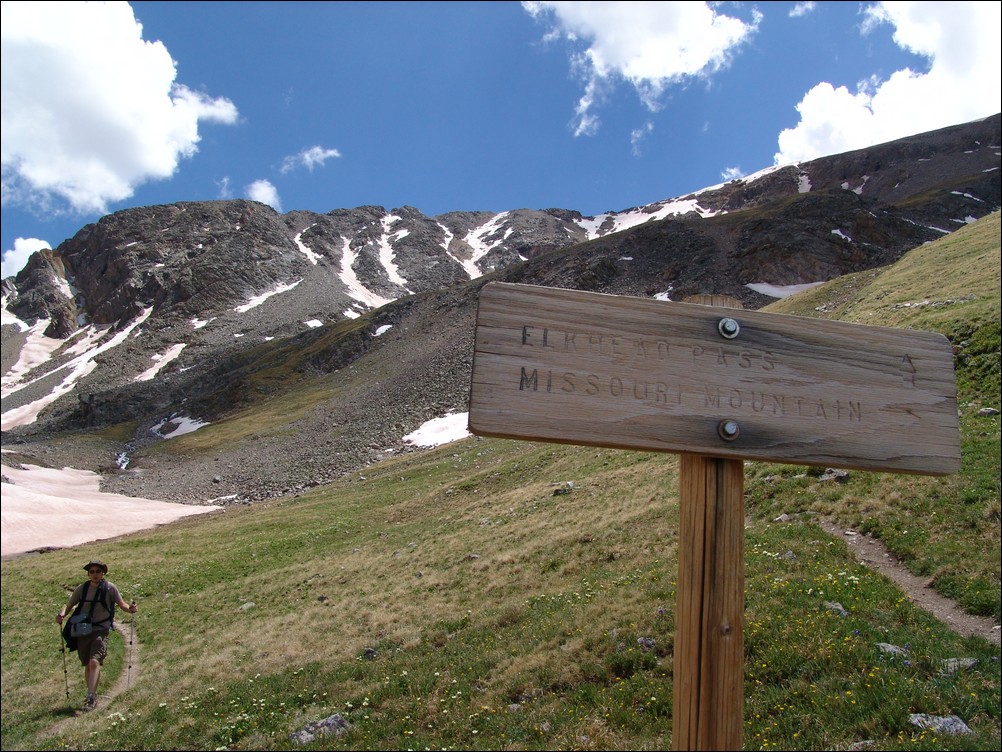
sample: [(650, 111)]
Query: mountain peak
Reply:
[(161, 311)]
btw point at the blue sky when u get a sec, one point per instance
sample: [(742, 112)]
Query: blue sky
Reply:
[(456, 106)]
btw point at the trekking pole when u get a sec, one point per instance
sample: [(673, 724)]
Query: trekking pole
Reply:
[(66, 674), (132, 638)]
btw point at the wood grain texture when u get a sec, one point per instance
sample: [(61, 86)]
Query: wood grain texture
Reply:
[(708, 700), (616, 371)]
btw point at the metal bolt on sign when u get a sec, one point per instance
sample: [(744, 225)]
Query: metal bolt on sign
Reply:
[(728, 328), (729, 430)]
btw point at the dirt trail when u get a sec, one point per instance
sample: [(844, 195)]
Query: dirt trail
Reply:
[(872, 552), (128, 677)]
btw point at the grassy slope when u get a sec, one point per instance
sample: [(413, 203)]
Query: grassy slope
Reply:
[(508, 609), (952, 287)]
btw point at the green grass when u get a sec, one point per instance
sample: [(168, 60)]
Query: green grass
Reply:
[(943, 528), (469, 598)]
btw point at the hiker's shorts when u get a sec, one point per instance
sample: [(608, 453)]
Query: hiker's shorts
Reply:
[(92, 647)]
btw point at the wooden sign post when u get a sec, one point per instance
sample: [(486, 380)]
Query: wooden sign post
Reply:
[(718, 386), (708, 696)]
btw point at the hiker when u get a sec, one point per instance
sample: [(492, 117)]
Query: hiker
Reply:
[(97, 599)]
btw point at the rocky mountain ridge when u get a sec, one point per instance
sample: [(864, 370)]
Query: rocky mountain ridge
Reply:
[(203, 311)]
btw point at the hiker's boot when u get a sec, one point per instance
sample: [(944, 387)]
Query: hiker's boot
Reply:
[(90, 703)]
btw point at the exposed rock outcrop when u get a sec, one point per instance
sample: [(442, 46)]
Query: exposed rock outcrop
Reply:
[(206, 309)]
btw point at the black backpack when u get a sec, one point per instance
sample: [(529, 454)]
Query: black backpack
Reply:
[(100, 595)]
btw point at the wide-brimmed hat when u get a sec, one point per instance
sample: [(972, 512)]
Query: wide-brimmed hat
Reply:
[(101, 564)]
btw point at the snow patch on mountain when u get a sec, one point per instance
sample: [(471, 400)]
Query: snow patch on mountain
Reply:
[(386, 253), (481, 242), (468, 264), (780, 291), (76, 369), (160, 360), (47, 507), (356, 289), (610, 222), (178, 425), (259, 299), (437, 431), (304, 249), (36, 350)]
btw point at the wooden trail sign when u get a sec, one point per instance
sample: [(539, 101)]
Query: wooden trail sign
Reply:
[(587, 368), (716, 385)]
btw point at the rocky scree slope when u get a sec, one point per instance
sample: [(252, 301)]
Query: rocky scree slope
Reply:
[(379, 305)]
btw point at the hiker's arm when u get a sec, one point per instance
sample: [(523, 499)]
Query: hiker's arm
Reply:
[(67, 608), (130, 607)]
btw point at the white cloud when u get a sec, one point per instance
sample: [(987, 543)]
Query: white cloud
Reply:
[(637, 136), (731, 173), (649, 45), (802, 9), (15, 258), (315, 156), (961, 41), (91, 109), (265, 192), (224, 187)]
